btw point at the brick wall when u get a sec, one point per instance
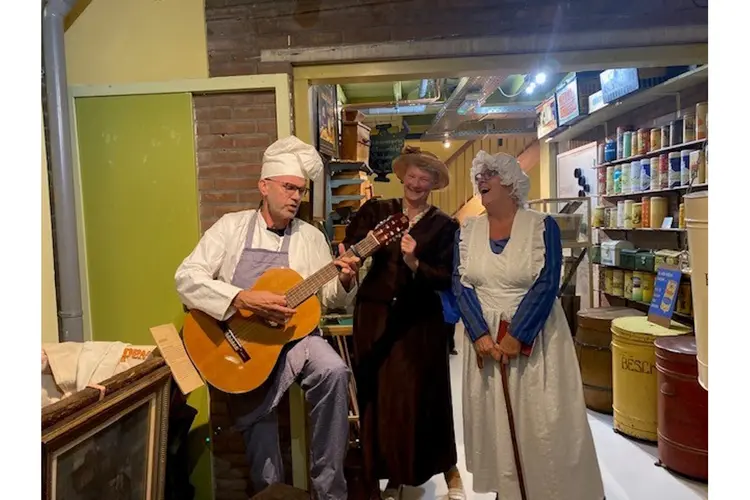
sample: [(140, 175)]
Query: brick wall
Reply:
[(232, 131), (237, 30)]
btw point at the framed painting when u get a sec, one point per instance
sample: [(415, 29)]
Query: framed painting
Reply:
[(114, 448), (327, 122)]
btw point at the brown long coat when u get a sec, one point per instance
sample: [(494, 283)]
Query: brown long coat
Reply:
[(401, 351)]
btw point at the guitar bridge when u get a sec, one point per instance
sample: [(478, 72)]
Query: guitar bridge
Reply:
[(234, 343)]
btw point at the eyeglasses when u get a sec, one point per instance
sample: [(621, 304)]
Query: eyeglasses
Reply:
[(485, 175), (291, 188)]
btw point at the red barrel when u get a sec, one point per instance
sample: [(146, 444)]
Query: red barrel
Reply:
[(682, 408)]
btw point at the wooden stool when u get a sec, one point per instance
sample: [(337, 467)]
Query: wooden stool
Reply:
[(281, 491)]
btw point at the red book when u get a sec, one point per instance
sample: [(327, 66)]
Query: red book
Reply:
[(503, 330)]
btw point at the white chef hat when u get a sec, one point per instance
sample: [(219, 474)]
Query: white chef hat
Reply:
[(509, 171), (291, 156)]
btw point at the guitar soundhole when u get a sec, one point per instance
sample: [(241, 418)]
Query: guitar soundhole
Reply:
[(235, 344)]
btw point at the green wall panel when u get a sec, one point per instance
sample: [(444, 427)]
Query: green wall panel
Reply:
[(140, 203), (140, 206)]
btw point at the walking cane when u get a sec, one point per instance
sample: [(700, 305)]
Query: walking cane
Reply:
[(516, 455)]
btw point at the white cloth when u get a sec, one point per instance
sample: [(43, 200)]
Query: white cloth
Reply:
[(554, 438), (68, 367), (508, 169), (204, 279), (291, 156)]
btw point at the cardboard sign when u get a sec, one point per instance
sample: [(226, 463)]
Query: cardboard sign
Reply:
[(173, 351), (666, 288)]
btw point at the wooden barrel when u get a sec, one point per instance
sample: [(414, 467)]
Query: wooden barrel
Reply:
[(683, 408), (592, 340), (634, 389)]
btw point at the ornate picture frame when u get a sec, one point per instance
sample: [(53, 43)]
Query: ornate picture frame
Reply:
[(115, 448)]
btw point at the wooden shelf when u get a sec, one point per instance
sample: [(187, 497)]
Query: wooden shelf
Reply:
[(647, 304), (653, 154), (655, 191), (655, 230), (632, 102)]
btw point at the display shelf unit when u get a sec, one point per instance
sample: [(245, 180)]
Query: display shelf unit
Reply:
[(582, 242), (341, 174), (687, 86), (632, 102)]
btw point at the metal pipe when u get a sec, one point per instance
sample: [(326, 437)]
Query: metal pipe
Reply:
[(70, 310)]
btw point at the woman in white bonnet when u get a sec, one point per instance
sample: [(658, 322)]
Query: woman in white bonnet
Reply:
[(507, 266)]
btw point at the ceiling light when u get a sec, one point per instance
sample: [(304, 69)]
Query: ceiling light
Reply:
[(446, 144), (530, 89), (540, 78)]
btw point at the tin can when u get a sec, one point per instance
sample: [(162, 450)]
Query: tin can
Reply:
[(618, 282), (610, 180), (637, 283), (675, 171), (643, 141), (681, 222), (612, 217), (663, 172), (610, 150), (600, 153), (627, 287), (684, 299), (657, 211), (666, 133), (608, 280), (601, 181), (675, 132), (685, 167), (620, 142), (625, 181), (646, 212), (647, 286), (618, 179), (635, 176), (637, 214), (627, 217), (651, 180), (701, 120), (655, 139), (627, 144), (688, 128), (621, 214), (697, 167), (598, 217)]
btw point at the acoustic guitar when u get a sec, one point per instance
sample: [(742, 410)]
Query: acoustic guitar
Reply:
[(238, 355)]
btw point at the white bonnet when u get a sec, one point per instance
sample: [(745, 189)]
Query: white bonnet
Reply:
[(509, 171), (291, 156)]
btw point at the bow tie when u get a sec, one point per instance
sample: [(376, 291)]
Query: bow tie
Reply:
[(278, 232)]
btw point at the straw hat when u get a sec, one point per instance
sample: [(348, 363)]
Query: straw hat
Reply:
[(423, 159)]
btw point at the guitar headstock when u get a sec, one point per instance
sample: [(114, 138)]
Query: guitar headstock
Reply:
[(391, 228)]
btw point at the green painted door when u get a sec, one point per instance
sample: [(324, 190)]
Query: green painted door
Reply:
[(138, 180), (140, 204)]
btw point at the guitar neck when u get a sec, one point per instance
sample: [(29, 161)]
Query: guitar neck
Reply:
[(310, 286)]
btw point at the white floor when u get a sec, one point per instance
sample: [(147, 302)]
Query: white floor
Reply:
[(627, 466)]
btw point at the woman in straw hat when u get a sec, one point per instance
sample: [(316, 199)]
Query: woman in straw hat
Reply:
[(402, 339)]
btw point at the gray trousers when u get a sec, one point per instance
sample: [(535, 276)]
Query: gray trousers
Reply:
[(324, 378)]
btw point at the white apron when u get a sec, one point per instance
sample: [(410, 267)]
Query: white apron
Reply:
[(554, 438)]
